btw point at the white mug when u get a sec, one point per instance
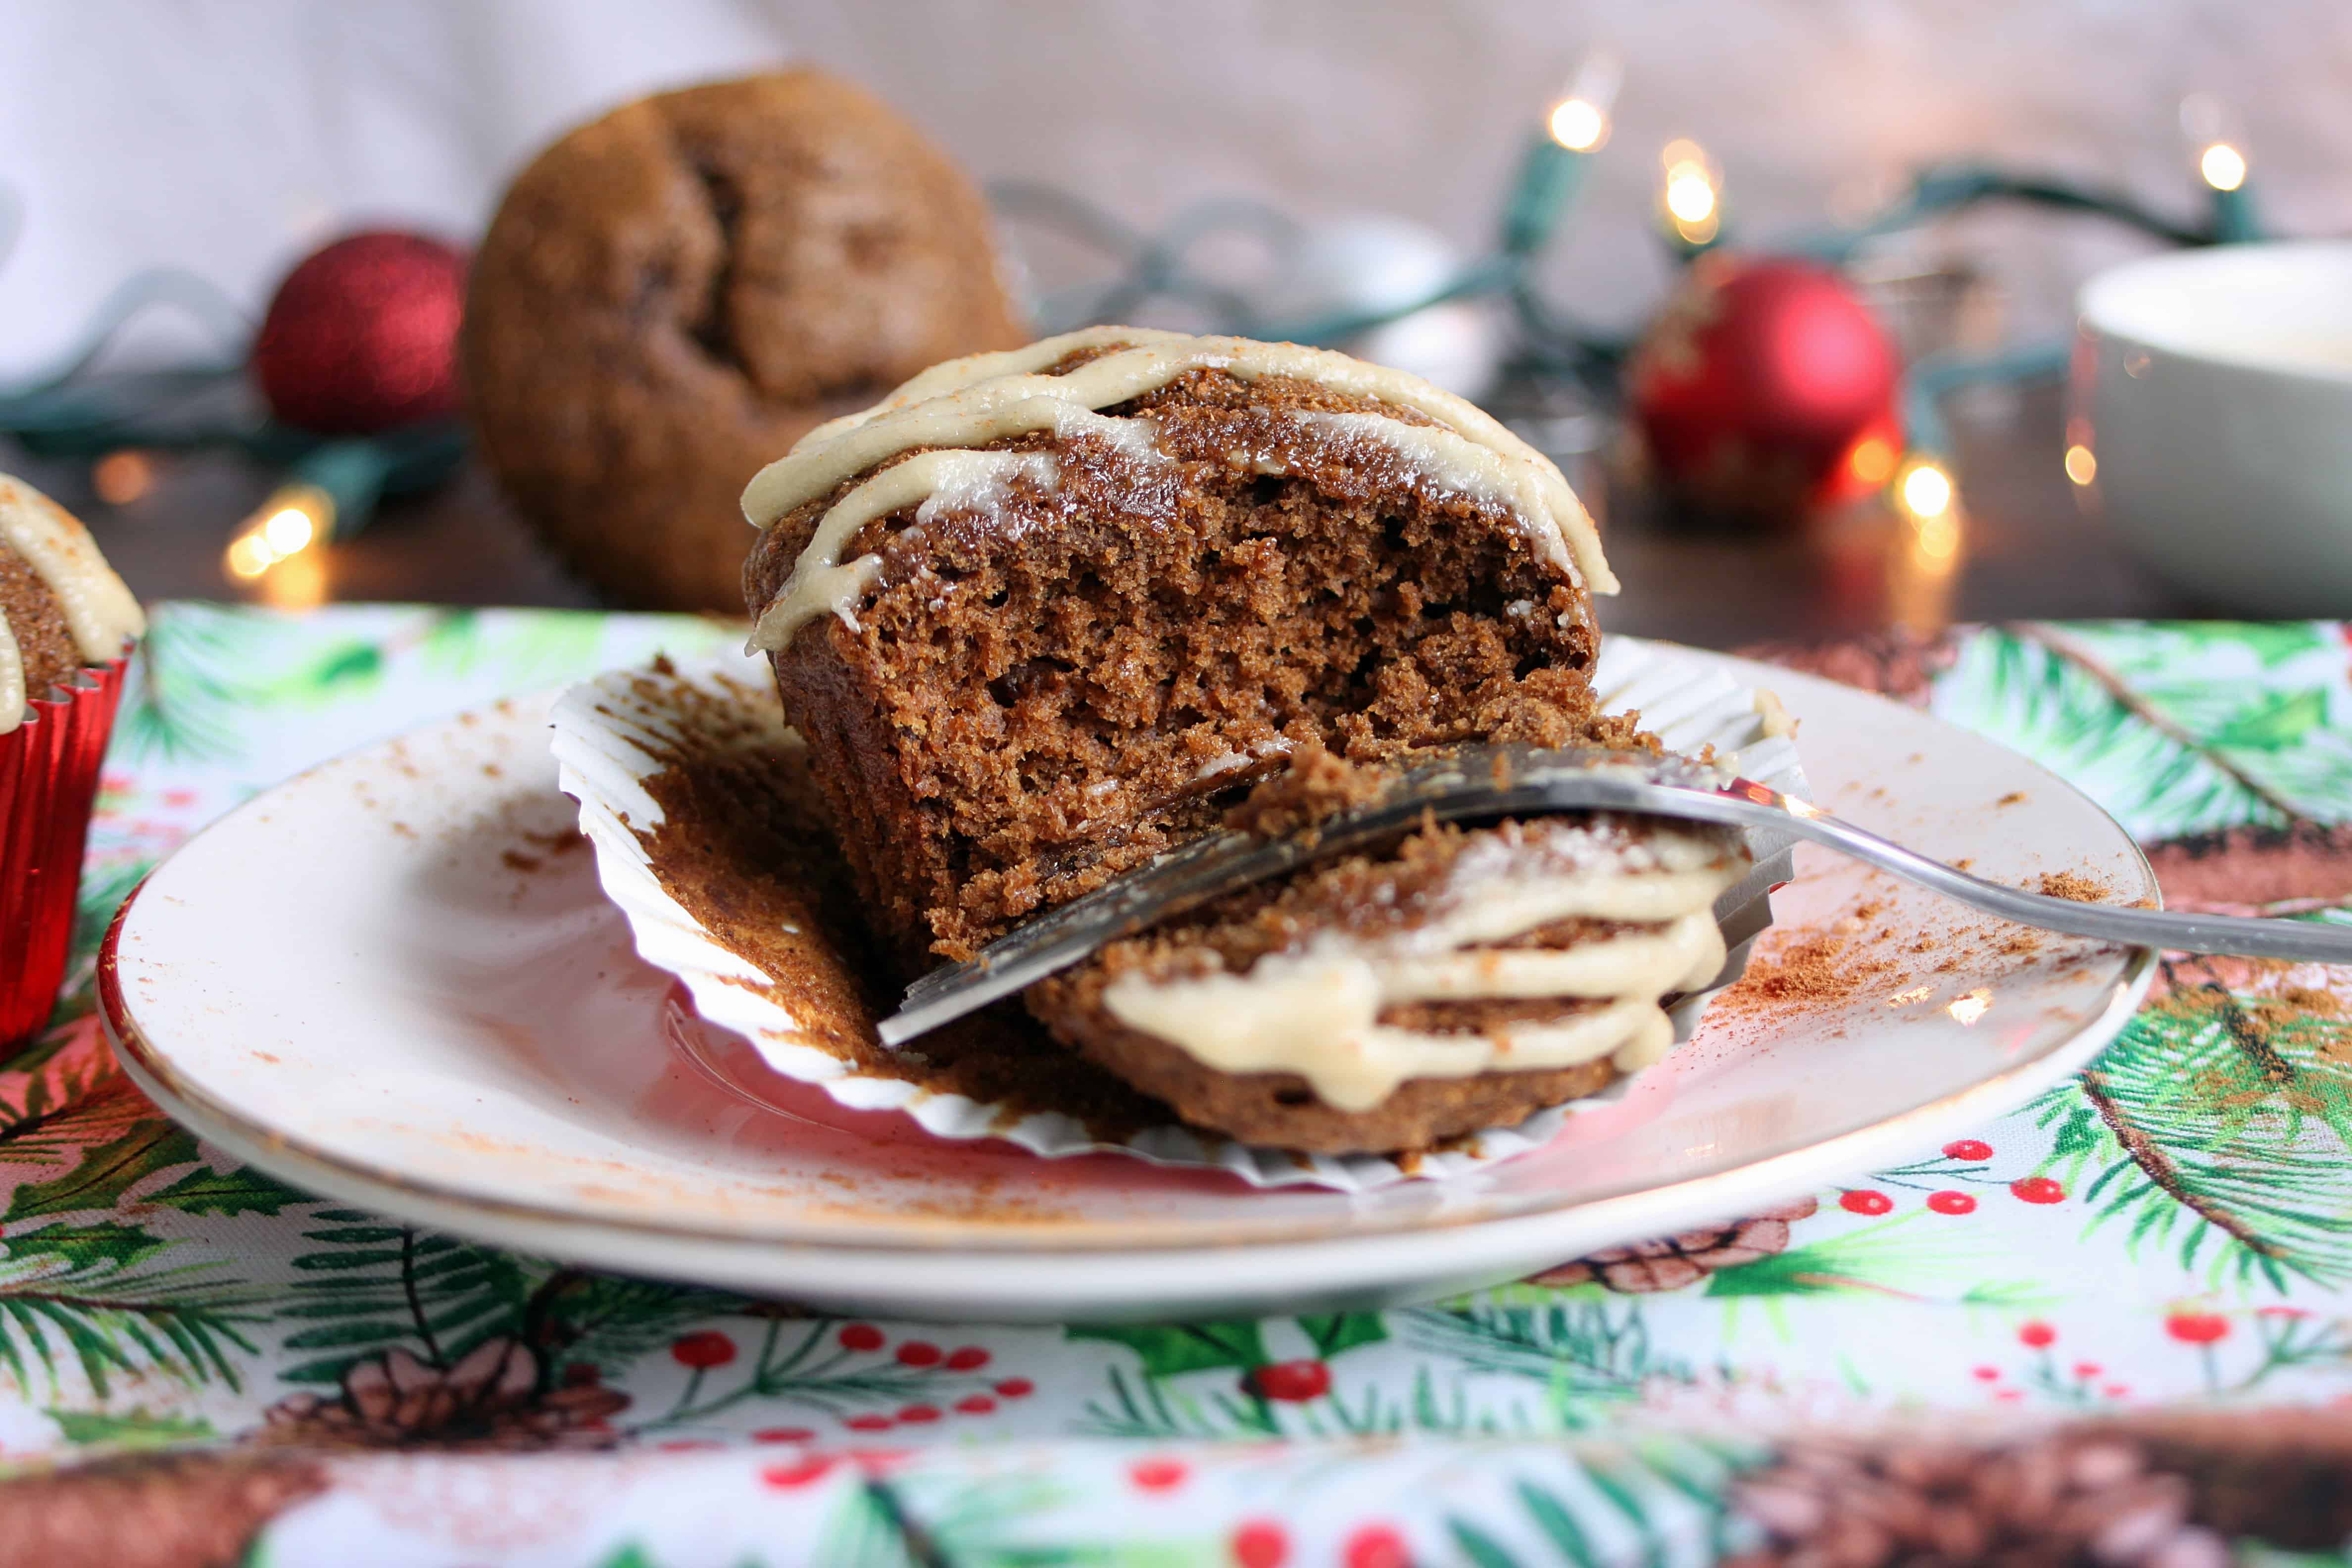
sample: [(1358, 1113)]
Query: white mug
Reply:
[(2211, 421)]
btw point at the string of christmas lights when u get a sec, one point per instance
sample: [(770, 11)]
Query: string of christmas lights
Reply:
[(1574, 128), (336, 472)]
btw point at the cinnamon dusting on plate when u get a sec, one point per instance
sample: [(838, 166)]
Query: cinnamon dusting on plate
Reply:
[(2075, 887)]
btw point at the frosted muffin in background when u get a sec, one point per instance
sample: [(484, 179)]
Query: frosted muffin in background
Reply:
[(67, 628)]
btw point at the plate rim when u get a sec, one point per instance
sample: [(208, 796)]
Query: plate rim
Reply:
[(623, 1241), (1067, 1284)]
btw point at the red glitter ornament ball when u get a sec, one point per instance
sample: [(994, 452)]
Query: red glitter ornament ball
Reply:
[(362, 335), (1764, 388)]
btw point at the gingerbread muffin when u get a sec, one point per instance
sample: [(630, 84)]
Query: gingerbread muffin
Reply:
[(1039, 614), (670, 296), (65, 625)]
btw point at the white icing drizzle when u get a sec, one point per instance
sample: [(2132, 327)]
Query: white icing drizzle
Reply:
[(970, 402), (98, 611), (1315, 1010), (928, 480), (1445, 460)]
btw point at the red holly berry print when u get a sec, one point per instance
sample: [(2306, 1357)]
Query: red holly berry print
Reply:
[(1260, 1543), (2036, 1190), (1970, 1149), (2197, 1328), (2037, 1335), (783, 1435), (868, 1423), (920, 1412), (1375, 1546), (1985, 1373), (917, 1353), (702, 1350), (1950, 1202), (2086, 1370), (1158, 1475), (969, 1358), (1864, 1201), (1016, 1388), (861, 1337), (1289, 1382), (976, 1404), (786, 1477)]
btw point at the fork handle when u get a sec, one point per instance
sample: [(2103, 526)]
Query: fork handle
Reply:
[(2182, 932)]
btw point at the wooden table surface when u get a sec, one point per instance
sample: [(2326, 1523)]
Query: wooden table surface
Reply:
[(2027, 550)]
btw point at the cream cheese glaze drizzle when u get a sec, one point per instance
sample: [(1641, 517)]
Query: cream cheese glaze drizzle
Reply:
[(98, 611), (1315, 1010), (969, 403)]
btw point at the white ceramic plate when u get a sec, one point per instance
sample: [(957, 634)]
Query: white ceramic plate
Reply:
[(393, 981)]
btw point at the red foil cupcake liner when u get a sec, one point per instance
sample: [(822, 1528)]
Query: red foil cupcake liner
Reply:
[(48, 783)]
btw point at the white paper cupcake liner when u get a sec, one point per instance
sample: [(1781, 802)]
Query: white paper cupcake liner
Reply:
[(616, 731)]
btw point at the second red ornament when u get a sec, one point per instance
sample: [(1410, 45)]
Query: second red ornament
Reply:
[(361, 336), (1764, 390)]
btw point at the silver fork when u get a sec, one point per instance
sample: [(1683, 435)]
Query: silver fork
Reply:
[(1476, 782)]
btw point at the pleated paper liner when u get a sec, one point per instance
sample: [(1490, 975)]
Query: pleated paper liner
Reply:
[(667, 762), (48, 783)]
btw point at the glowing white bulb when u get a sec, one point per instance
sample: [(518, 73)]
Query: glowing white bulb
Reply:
[(289, 529), (287, 524), (2223, 166), (1926, 492), (1690, 194), (1580, 117), (1579, 125)]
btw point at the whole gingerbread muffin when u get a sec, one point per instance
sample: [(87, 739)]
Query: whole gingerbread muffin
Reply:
[(670, 296)]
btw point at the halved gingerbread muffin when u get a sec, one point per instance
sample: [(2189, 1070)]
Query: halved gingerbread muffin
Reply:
[(1039, 614), (1459, 980)]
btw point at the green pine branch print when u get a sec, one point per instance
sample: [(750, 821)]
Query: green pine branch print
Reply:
[(2274, 700), (2218, 1125), (196, 677), (2048, 692), (374, 1287), (1589, 1355), (1658, 1501), (86, 1294), (55, 1100)]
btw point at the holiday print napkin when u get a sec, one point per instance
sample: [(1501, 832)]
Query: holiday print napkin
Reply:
[(2105, 1326)]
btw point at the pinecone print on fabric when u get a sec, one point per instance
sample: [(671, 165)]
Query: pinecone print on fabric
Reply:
[(1684, 1259), (489, 1400), (2072, 1501), (1900, 663)]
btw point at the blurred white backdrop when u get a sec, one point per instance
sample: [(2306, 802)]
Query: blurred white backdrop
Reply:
[(229, 138)]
